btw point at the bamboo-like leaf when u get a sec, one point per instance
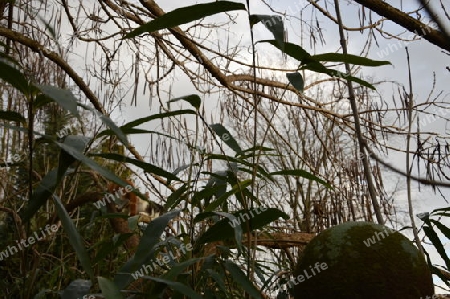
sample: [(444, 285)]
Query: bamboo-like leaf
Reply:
[(178, 268), (93, 165), (273, 23), (145, 249), (226, 137), (63, 97), (14, 77), (296, 80), (240, 278), (293, 50), (109, 289), (109, 123), (235, 189), (432, 235), (349, 58), (176, 197), (74, 237), (223, 230), (309, 63), (192, 99), (142, 120), (41, 194), (150, 168), (12, 116), (185, 15), (230, 159), (177, 286)]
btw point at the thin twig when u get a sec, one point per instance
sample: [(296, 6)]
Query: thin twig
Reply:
[(408, 166), (365, 159)]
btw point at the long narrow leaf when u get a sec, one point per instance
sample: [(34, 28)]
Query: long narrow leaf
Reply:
[(74, 237), (142, 120), (349, 58), (273, 23), (240, 278), (63, 97), (178, 286), (226, 137), (150, 168), (223, 229), (109, 289), (192, 99), (185, 15), (145, 249), (12, 116), (14, 77)]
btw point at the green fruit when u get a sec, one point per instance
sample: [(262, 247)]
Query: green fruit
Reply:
[(342, 263)]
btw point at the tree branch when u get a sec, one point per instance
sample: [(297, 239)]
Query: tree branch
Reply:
[(397, 16)]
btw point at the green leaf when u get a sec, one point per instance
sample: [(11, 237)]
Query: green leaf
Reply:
[(139, 121), (301, 173), (63, 97), (296, 80), (445, 230), (149, 168), (349, 58), (311, 64), (432, 235), (178, 268), (77, 154), (12, 116), (236, 188), (52, 179), (131, 131), (41, 100), (237, 229), (145, 249), (223, 230), (226, 137), (109, 289), (219, 279), (176, 197), (293, 50), (41, 194), (14, 77), (192, 99), (76, 142), (106, 248), (229, 159), (74, 237), (273, 23), (240, 278), (109, 123), (177, 286), (216, 186), (185, 15)]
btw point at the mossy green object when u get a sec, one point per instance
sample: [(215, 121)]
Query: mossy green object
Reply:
[(362, 260)]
